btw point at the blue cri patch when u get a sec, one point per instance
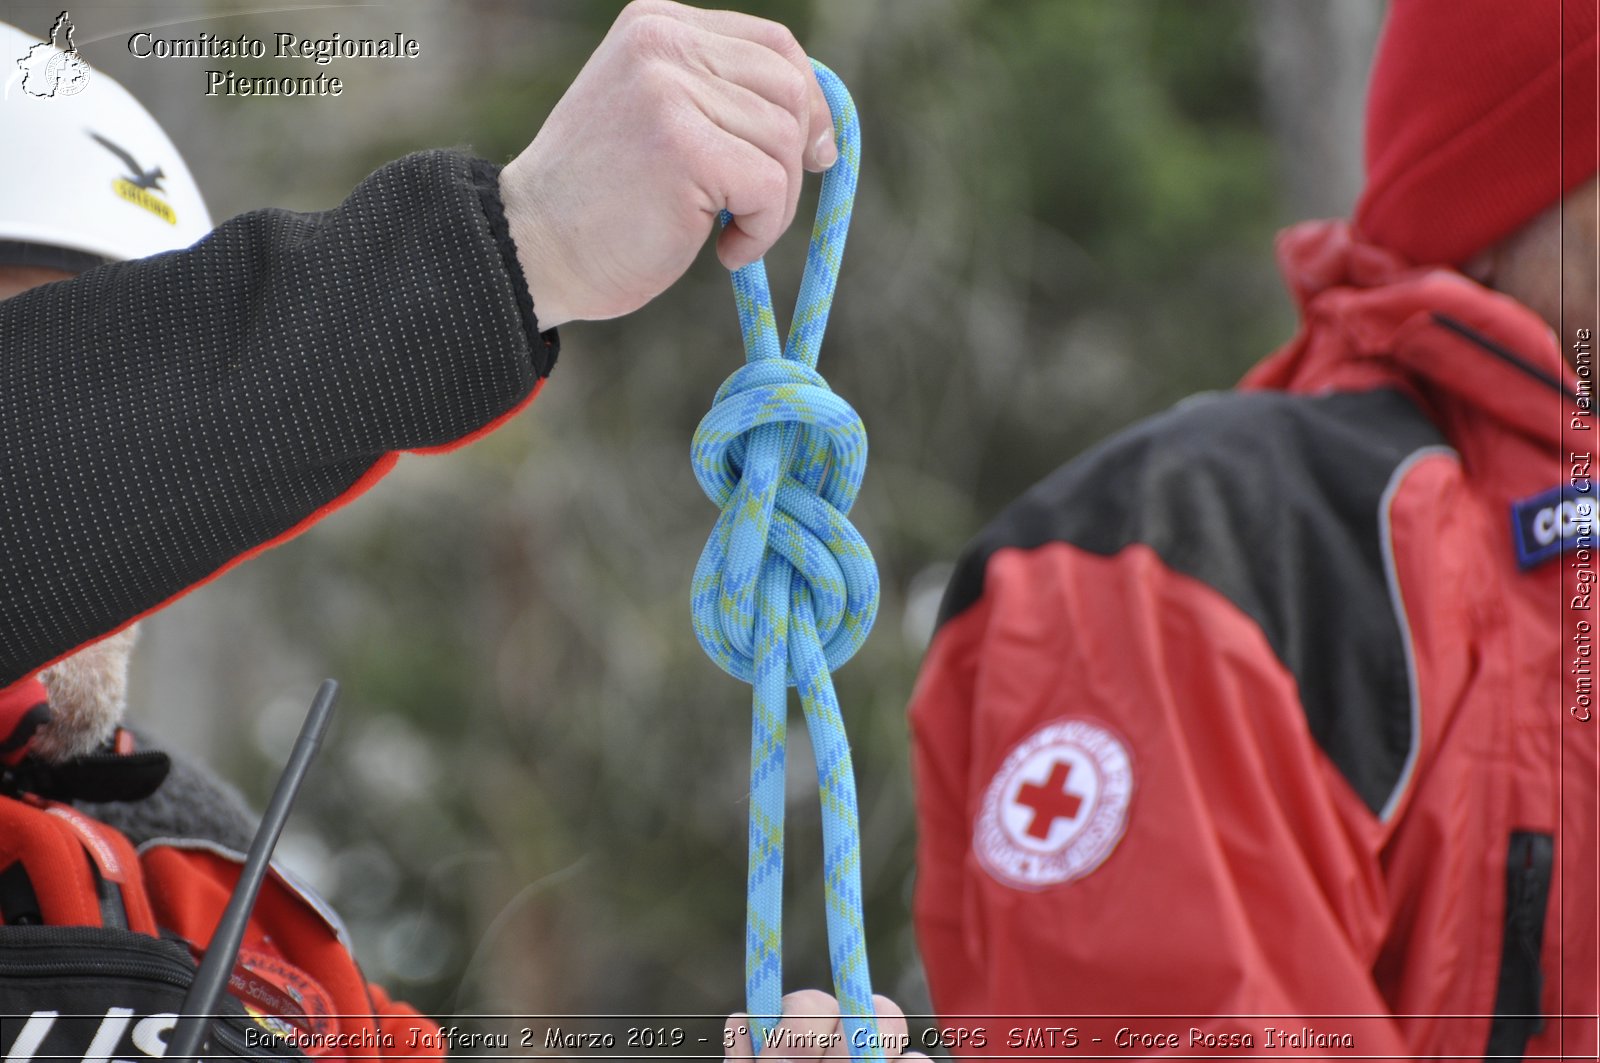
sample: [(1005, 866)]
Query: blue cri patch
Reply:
[(1543, 524)]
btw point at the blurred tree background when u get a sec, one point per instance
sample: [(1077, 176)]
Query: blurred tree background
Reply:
[(535, 797)]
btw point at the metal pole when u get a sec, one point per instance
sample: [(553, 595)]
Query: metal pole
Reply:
[(194, 1022)]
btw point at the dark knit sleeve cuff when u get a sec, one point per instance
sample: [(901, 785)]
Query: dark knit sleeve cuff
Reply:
[(546, 344)]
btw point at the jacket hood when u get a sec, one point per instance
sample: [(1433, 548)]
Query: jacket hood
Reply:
[(1465, 353)]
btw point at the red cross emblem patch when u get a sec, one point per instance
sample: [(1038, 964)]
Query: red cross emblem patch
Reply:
[(1057, 806)]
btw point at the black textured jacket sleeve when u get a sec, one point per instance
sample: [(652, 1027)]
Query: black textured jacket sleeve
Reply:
[(163, 417)]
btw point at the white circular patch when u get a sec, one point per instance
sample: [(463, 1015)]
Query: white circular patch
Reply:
[(1057, 806)]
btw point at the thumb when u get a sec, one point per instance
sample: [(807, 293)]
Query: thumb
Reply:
[(736, 1037), (822, 151)]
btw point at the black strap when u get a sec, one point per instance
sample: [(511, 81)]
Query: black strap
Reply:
[(113, 909), (100, 777)]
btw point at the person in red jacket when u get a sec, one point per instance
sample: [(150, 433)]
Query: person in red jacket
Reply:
[(1267, 727)]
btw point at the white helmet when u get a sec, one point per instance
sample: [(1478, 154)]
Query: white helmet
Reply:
[(89, 175)]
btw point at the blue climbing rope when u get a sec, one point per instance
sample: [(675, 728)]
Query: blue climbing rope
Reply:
[(786, 589)]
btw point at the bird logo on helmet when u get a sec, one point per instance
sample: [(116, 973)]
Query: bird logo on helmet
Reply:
[(91, 177)]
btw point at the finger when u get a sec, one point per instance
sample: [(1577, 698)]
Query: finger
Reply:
[(822, 149), (748, 117), (762, 71), (821, 152), (753, 187), (892, 1037), (815, 118), (736, 1038), (810, 1026)]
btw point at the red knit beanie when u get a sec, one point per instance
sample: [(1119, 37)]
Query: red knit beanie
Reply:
[(1481, 114)]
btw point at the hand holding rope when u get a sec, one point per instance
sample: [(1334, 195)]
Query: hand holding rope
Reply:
[(786, 589)]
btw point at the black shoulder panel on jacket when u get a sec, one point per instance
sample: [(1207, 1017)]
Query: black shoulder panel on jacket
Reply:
[(1277, 502)]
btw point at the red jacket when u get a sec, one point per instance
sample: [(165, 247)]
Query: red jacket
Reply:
[(1275, 711)]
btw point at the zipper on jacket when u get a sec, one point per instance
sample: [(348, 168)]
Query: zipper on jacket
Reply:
[(1516, 1004), (1505, 354)]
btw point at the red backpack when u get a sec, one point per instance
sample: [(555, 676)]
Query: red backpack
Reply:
[(100, 939)]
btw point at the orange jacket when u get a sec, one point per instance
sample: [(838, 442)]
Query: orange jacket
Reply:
[(1272, 715)]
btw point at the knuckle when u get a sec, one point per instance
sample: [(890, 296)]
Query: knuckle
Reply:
[(676, 133), (788, 137), (654, 36), (794, 93), (779, 38), (770, 181), (660, 85), (640, 8)]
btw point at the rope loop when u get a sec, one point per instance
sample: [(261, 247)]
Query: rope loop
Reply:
[(786, 590)]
